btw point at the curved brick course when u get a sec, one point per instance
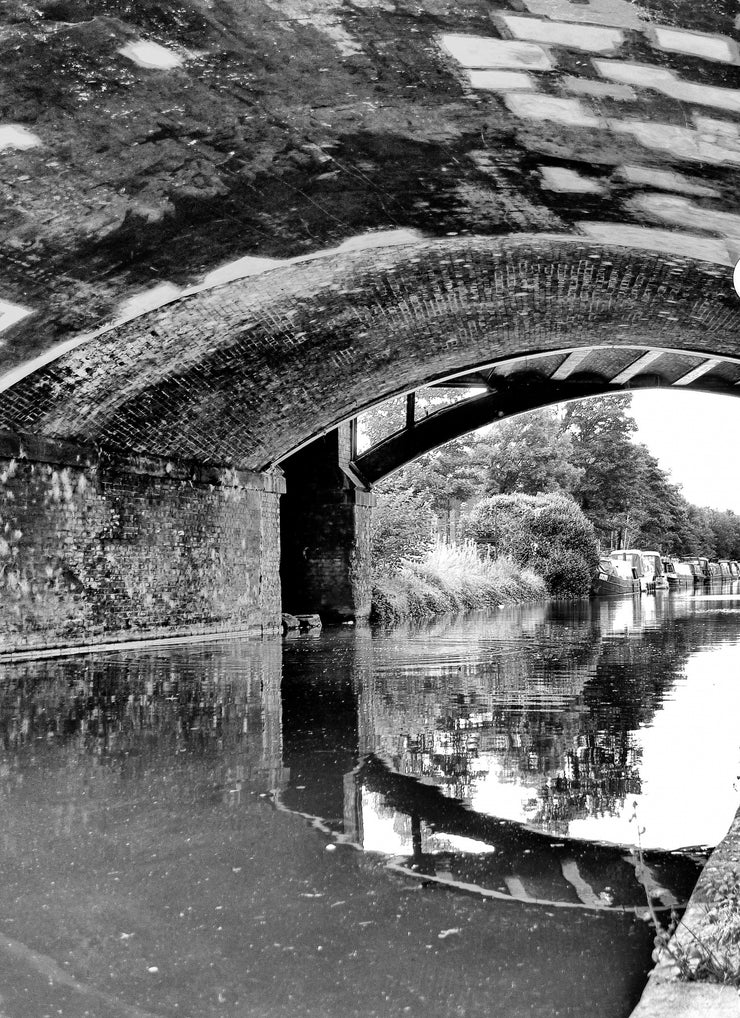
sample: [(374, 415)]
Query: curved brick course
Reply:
[(245, 373)]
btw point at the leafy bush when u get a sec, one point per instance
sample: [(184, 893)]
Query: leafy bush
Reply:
[(568, 574), (546, 533)]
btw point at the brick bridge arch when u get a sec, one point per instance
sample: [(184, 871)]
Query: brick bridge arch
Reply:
[(261, 371), (244, 374)]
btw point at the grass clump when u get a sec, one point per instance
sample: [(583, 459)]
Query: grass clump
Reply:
[(450, 578), (706, 943)]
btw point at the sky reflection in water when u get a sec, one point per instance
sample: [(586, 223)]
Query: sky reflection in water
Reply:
[(569, 718)]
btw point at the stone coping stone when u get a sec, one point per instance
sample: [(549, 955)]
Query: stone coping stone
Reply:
[(668, 996)]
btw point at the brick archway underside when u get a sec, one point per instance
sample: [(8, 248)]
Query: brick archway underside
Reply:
[(245, 373)]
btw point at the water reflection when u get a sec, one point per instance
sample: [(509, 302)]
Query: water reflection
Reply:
[(503, 859), (544, 715), (122, 788), (136, 793), (130, 716)]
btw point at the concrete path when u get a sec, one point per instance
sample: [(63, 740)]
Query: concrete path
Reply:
[(667, 997)]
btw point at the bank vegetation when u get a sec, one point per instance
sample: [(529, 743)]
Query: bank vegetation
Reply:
[(450, 578), (513, 548), (522, 508)]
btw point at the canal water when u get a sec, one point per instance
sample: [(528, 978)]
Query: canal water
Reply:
[(464, 818)]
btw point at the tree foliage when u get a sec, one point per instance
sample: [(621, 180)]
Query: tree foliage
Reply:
[(402, 527), (586, 450), (529, 454), (601, 431), (447, 476)]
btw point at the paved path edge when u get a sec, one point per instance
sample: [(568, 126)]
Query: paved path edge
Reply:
[(668, 996)]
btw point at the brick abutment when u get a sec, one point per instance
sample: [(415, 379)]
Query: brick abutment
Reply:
[(97, 548), (325, 533)]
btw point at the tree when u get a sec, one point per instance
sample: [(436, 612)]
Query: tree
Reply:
[(402, 527), (529, 454), (701, 533), (447, 475), (660, 507), (726, 529), (601, 430)]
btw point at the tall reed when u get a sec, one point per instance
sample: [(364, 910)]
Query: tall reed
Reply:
[(451, 578)]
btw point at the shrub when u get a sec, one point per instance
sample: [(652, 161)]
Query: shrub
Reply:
[(546, 533)]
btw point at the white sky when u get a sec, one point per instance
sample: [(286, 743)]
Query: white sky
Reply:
[(694, 436)]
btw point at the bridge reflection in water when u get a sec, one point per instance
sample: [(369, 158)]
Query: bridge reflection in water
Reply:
[(143, 865)]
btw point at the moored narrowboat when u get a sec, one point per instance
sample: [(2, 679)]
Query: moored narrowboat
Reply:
[(615, 576), (653, 565), (677, 573), (634, 559), (700, 569), (634, 570)]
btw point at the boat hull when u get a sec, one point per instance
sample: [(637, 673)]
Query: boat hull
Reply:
[(605, 585)]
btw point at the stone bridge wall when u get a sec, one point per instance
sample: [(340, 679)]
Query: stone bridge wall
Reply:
[(95, 549)]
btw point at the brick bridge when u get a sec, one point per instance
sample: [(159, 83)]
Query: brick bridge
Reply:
[(228, 230)]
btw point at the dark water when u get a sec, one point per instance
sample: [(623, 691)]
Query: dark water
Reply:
[(409, 823)]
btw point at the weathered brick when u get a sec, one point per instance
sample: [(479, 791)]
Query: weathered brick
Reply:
[(102, 550), (371, 324)]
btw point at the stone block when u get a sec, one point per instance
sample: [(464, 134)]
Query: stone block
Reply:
[(309, 621)]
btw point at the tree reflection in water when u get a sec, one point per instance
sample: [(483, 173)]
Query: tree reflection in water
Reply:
[(553, 708)]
